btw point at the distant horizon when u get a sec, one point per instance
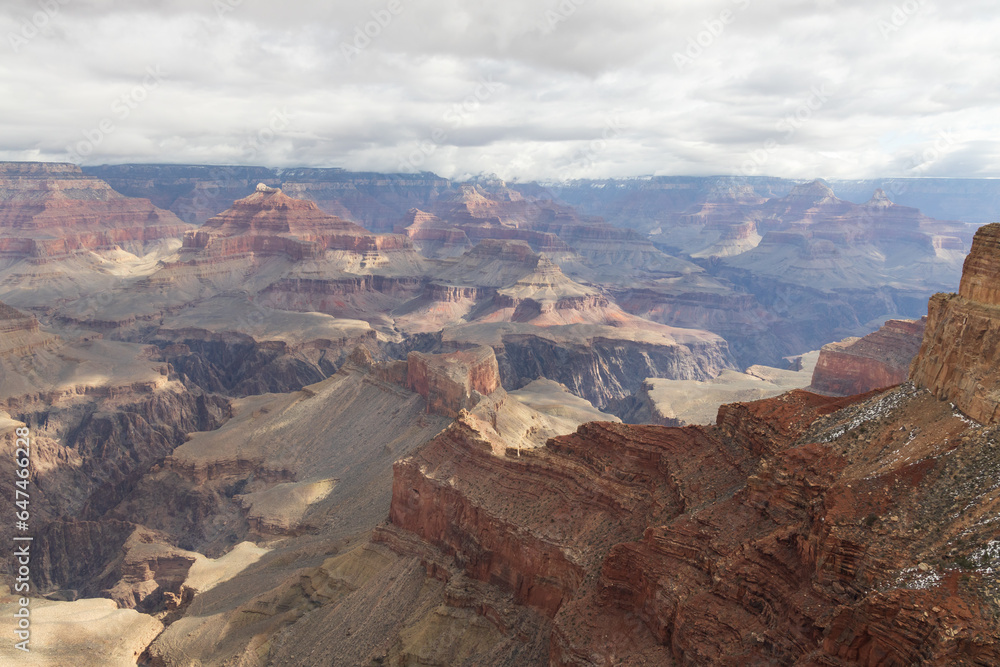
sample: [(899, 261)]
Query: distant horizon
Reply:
[(471, 177)]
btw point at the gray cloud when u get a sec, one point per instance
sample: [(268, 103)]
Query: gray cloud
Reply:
[(551, 89)]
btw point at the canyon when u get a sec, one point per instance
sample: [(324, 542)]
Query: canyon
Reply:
[(311, 416)]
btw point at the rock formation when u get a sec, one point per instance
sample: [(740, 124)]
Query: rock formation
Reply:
[(432, 235), (20, 336), (600, 363), (801, 529), (447, 381), (879, 360), (680, 402), (958, 358), (269, 221), (51, 210)]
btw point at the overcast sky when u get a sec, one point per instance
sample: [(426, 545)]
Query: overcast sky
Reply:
[(527, 89)]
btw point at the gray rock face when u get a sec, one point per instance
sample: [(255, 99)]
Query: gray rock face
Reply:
[(606, 370)]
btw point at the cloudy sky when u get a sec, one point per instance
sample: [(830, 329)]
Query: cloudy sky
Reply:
[(527, 89)]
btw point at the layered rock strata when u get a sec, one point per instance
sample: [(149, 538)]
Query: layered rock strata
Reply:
[(879, 360), (269, 221), (961, 347), (447, 381), (801, 530), (51, 210)]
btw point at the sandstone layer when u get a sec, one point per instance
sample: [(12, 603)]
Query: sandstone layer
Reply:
[(958, 358), (52, 210), (879, 360), (799, 530), (269, 221), (447, 381), (772, 538)]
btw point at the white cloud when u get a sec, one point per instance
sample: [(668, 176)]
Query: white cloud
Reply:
[(551, 89)]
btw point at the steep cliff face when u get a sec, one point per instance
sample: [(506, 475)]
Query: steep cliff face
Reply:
[(879, 360), (20, 335), (240, 365), (958, 358), (89, 451), (532, 540), (52, 210), (447, 381), (801, 530), (605, 364)]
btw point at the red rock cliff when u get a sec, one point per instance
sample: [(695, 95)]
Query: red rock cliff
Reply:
[(959, 357), (51, 209), (448, 380), (269, 221), (802, 530), (879, 360)]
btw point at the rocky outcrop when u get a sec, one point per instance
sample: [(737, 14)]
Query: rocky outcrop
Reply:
[(879, 360), (679, 402), (980, 275), (531, 538), (786, 535), (961, 346), (432, 235), (51, 210), (20, 335), (95, 456), (136, 568), (448, 381), (269, 221), (240, 365), (603, 364)]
